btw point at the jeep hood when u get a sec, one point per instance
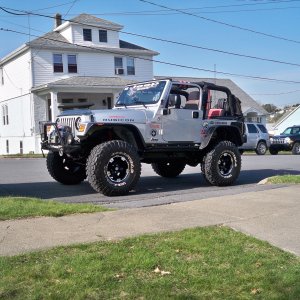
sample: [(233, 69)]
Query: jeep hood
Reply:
[(122, 116)]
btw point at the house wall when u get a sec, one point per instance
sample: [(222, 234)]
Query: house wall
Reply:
[(112, 37), (88, 64), (15, 94), (292, 119), (20, 126), (17, 77), (67, 34)]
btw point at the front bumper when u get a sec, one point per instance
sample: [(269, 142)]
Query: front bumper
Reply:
[(57, 138), (281, 147)]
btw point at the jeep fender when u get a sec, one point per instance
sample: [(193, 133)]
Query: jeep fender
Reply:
[(126, 132), (222, 133)]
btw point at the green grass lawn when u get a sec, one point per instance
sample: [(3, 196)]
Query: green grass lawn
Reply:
[(202, 263), (292, 179), (21, 207)]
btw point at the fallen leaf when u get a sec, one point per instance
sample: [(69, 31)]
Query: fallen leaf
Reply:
[(165, 273), (255, 291), (157, 270)]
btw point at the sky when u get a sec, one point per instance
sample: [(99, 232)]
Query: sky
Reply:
[(266, 30)]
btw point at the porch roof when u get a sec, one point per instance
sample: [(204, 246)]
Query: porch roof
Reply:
[(84, 83)]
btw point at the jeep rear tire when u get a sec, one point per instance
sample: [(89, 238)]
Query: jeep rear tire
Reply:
[(296, 149), (64, 170), (113, 168), (168, 169), (261, 148), (223, 164)]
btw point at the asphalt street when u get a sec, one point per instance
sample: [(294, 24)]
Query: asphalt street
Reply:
[(29, 177)]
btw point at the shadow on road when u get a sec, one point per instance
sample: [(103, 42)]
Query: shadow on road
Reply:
[(146, 186)]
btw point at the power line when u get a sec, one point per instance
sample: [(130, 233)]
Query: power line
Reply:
[(223, 23), (181, 43), (163, 62)]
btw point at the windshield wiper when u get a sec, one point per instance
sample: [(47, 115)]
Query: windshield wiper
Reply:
[(120, 104), (140, 102)]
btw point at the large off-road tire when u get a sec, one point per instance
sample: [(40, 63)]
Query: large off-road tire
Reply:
[(223, 164), (168, 169), (273, 151), (64, 170), (296, 149), (202, 166), (261, 148), (113, 168)]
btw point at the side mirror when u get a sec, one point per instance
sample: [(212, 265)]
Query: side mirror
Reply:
[(165, 111)]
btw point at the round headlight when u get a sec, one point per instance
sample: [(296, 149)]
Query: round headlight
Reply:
[(77, 123)]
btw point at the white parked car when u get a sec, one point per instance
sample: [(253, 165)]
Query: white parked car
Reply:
[(258, 138)]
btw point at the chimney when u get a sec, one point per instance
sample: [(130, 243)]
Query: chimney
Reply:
[(57, 20)]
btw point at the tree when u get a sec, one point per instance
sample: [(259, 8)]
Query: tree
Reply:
[(270, 108)]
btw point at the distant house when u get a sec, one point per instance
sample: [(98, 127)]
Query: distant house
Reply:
[(81, 63), (252, 111), (289, 119)]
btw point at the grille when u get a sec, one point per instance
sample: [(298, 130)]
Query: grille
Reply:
[(278, 141), (67, 121)]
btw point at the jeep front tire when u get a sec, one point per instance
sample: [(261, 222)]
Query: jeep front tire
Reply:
[(222, 164), (64, 170), (113, 168), (168, 169)]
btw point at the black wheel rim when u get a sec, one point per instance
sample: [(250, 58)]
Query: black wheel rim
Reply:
[(70, 167), (225, 163), (117, 169)]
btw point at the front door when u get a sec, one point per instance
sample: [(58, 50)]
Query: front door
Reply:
[(182, 125)]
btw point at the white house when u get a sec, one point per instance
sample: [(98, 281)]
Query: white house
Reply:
[(81, 63), (290, 119)]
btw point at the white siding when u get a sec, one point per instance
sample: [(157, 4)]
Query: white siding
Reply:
[(17, 77), (112, 37), (67, 34), (88, 64), (20, 125), (292, 119)]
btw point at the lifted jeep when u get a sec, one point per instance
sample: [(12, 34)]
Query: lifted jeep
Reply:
[(168, 124)]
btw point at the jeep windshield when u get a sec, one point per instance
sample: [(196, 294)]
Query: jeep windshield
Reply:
[(141, 94)]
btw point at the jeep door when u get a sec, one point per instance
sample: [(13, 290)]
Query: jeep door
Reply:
[(182, 124)]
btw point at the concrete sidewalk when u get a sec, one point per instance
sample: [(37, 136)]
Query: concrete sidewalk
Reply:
[(271, 215)]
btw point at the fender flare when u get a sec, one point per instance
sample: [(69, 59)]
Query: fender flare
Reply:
[(234, 136)]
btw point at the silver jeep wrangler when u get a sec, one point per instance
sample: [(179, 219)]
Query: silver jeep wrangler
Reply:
[(165, 123)]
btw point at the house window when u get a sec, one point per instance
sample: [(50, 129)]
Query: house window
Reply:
[(82, 100), (72, 64), (21, 147), (5, 114), (119, 66), (130, 66), (87, 34), (103, 36), (7, 146), (58, 66)]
